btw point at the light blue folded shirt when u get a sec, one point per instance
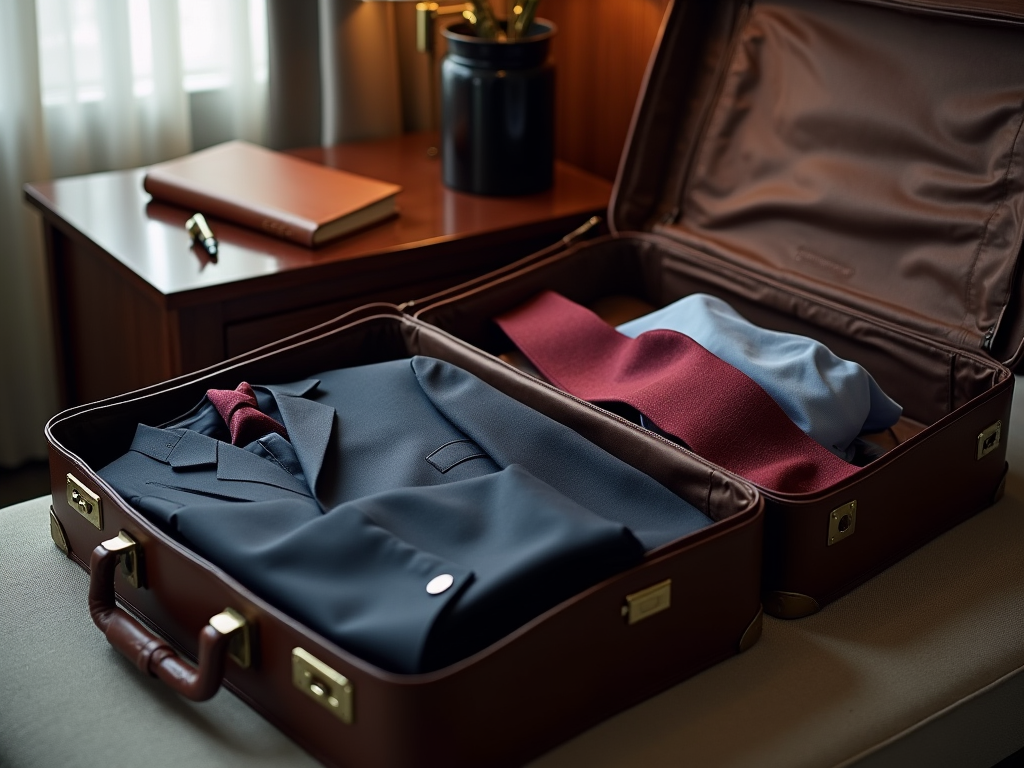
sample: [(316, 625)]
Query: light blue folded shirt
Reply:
[(832, 400)]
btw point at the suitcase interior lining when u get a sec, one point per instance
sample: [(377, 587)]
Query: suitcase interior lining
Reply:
[(865, 154)]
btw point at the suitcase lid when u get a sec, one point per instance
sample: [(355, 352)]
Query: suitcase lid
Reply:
[(868, 152)]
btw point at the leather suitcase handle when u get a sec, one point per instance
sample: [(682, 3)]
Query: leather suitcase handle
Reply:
[(148, 652)]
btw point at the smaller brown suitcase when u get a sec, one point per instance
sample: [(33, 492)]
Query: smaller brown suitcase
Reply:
[(585, 659), (852, 172)]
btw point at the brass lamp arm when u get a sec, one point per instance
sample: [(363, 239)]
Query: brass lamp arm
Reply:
[(426, 14)]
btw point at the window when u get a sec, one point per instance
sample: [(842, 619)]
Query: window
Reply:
[(87, 47)]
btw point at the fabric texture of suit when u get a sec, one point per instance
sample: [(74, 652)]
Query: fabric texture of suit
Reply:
[(394, 474)]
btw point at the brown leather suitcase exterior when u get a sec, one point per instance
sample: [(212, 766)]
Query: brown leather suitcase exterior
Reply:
[(849, 171), (555, 676)]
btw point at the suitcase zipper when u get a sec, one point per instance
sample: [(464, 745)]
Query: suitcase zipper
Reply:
[(956, 11), (695, 257), (986, 343), (568, 240)]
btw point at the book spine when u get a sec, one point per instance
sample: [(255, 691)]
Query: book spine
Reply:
[(266, 221)]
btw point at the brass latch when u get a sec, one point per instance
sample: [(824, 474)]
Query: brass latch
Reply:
[(84, 501), (130, 556), (231, 622), (842, 522), (330, 689), (647, 602), (988, 440)]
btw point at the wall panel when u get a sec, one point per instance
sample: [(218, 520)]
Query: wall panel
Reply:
[(601, 52)]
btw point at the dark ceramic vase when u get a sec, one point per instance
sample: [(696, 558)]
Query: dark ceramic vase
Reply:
[(498, 112)]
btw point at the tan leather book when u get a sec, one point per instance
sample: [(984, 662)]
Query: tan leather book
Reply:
[(280, 194)]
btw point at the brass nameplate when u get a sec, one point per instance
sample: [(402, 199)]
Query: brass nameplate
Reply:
[(988, 440), (84, 501), (842, 522), (330, 689), (647, 602)]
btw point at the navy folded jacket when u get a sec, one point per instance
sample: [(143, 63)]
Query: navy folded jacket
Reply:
[(414, 515)]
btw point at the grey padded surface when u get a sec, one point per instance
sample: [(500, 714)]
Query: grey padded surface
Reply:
[(922, 665), (67, 698)]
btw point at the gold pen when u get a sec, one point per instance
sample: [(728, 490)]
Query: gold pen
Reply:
[(202, 234)]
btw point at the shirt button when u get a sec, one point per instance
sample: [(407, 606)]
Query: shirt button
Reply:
[(439, 584)]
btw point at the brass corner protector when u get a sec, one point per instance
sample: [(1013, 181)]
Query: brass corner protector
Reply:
[(789, 605), (57, 534), (1000, 490), (753, 631)]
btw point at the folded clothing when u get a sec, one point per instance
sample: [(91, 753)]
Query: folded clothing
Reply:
[(830, 399), (414, 515), (717, 410)]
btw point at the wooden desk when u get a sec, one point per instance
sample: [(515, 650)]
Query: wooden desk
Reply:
[(134, 304)]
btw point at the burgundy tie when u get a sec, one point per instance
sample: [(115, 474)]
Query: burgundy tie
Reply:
[(240, 411), (717, 410)]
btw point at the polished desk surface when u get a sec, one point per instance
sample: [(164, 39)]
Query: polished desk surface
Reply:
[(114, 212)]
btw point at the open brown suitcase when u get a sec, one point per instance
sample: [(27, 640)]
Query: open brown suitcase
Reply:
[(689, 604), (852, 171)]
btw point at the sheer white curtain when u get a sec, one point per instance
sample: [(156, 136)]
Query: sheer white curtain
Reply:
[(96, 85), (344, 70), (27, 386), (90, 85), (359, 68)]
